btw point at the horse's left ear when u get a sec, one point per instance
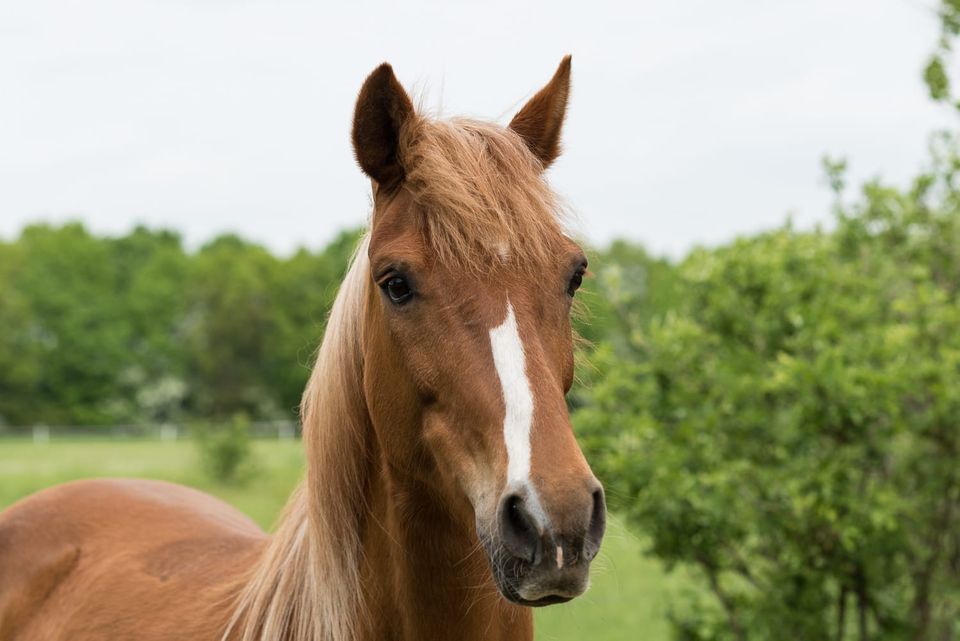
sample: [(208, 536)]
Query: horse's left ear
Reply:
[(541, 119)]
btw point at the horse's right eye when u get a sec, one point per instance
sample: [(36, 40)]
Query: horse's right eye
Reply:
[(398, 290)]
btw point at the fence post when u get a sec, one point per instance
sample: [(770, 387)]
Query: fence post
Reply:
[(41, 434)]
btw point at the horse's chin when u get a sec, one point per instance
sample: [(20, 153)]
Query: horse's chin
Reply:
[(534, 586), (512, 594)]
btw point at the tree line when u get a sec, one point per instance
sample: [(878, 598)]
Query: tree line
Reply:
[(100, 331)]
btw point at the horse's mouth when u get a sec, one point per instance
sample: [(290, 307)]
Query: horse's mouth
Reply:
[(553, 599), (511, 593), (534, 586)]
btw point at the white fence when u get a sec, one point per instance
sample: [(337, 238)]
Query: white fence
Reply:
[(40, 434)]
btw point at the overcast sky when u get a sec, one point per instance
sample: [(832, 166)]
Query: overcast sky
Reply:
[(690, 122)]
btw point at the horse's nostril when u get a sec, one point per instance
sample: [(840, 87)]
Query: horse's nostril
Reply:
[(598, 525), (518, 529), (517, 515)]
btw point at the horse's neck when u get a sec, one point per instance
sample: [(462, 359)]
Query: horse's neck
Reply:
[(425, 577)]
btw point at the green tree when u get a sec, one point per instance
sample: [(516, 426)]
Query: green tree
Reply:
[(303, 291), (229, 329), (253, 322), (152, 269), (66, 281), (20, 349), (791, 429), (99, 331), (936, 74)]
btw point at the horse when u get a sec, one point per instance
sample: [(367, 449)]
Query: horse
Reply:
[(445, 494)]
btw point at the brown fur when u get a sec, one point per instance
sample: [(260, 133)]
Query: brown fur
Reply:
[(120, 559), (541, 119), (382, 107), (387, 537)]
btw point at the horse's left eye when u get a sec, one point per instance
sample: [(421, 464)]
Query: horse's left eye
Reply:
[(576, 281)]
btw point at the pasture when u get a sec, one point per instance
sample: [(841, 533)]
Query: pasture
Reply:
[(629, 599)]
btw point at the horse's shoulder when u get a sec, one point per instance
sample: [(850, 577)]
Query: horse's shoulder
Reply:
[(32, 565)]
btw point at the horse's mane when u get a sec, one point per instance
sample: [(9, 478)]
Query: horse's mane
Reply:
[(306, 586), (480, 193)]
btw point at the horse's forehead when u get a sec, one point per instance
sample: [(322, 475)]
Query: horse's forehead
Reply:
[(497, 262), (393, 217)]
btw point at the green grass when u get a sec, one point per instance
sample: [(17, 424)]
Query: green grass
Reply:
[(26, 468), (628, 601)]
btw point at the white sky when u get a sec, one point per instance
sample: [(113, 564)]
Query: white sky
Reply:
[(690, 122)]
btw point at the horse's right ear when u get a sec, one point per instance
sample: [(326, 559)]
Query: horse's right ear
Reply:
[(382, 109)]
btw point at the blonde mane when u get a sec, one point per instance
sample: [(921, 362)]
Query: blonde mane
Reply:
[(480, 193), (306, 587)]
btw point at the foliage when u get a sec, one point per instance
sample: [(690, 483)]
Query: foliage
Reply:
[(136, 329), (791, 428), (935, 74), (621, 277), (225, 449)]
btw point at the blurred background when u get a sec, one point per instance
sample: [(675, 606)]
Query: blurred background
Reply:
[(769, 192)]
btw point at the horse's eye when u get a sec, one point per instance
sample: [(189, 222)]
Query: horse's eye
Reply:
[(575, 282), (398, 289)]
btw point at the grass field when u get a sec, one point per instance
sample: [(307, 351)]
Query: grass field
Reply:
[(628, 601)]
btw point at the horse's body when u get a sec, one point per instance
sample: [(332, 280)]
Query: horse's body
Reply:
[(444, 490), (115, 558), (154, 561)]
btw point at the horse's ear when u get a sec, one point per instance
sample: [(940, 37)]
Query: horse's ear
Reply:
[(541, 119), (382, 109)]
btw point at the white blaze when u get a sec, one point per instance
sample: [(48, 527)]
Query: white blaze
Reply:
[(509, 360)]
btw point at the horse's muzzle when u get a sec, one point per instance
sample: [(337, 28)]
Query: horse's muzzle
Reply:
[(538, 563)]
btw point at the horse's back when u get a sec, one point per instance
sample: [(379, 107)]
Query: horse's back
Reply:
[(121, 559)]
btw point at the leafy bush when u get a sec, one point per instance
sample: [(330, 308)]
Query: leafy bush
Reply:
[(792, 428), (225, 448)]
